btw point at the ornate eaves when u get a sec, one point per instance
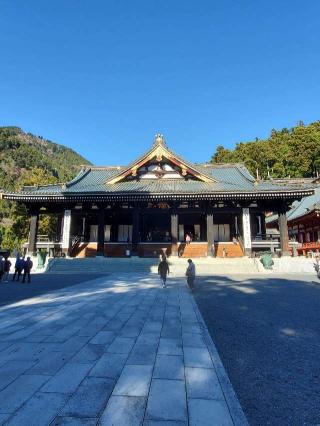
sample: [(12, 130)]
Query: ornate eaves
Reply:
[(160, 151)]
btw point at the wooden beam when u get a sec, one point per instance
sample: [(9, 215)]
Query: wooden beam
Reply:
[(100, 245), (174, 233)]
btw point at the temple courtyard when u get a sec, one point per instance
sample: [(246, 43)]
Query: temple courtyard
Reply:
[(120, 350)]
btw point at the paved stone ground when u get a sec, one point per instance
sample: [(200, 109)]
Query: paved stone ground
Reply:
[(11, 292), (267, 332), (114, 351)]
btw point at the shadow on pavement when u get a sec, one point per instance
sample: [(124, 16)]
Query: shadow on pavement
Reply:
[(14, 291), (267, 332)]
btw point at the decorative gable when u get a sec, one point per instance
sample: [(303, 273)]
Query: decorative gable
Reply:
[(160, 163)]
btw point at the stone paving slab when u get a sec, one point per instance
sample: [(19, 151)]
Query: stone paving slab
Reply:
[(116, 350), (134, 381), (167, 400), (123, 411), (109, 365), (39, 410), (169, 367), (90, 398)]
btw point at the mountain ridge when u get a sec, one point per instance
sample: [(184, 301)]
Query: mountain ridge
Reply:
[(26, 159)]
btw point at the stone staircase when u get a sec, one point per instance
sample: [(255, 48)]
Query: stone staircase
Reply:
[(230, 249), (105, 265)]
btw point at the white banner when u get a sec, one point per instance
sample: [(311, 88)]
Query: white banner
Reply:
[(66, 229), (246, 228)]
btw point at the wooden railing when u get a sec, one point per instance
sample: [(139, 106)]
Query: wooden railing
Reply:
[(312, 245)]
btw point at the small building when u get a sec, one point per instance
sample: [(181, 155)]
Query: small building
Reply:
[(160, 203), (304, 220)]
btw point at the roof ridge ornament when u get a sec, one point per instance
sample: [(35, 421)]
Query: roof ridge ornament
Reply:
[(159, 140)]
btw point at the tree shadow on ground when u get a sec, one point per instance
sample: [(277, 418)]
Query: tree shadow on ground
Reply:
[(14, 291), (267, 333)]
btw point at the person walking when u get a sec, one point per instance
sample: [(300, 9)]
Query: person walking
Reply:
[(28, 264), (1, 268), (6, 268), (18, 268), (191, 274), (163, 271)]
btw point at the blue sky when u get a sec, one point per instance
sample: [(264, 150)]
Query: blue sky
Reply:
[(103, 76)]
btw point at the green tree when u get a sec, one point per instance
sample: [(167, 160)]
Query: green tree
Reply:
[(288, 152)]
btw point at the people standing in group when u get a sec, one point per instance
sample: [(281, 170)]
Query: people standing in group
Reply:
[(18, 267), (1, 268), (27, 266), (163, 271), (191, 274), (6, 269)]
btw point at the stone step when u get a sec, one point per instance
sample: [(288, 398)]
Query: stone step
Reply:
[(206, 266)]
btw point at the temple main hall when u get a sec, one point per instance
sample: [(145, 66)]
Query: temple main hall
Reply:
[(159, 204)]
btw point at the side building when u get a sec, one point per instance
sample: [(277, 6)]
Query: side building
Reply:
[(303, 219), (151, 205)]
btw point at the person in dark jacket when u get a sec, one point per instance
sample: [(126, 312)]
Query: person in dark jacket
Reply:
[(28, 264), (191, 274), (6, 267), (163, 271), (18, 268)]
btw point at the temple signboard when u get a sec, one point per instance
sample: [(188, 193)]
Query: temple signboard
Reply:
[(246, 228)]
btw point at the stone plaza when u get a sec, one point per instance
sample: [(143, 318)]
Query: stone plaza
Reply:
[(115, 350)]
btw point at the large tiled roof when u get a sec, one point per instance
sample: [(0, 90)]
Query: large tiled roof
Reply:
[(208, 179), (229, 178)]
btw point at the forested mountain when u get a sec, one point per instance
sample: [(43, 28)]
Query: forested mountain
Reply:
[(26, 159), (291, 152)]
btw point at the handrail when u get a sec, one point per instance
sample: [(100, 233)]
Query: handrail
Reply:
[(264, 237), (76, 239), (311, 245), (240, 240)]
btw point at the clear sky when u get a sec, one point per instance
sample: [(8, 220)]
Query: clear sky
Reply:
[(103, 76)]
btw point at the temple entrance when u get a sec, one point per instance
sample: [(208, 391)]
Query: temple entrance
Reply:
[(156, 227), (221, 232), (192, 225)]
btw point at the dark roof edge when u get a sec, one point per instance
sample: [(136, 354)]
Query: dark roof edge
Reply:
[(83, 172), (222, 194)]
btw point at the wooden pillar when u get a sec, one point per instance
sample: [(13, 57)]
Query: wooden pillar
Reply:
[(203, 227), (100, 245), (236, 225), (210, 235), (135, 229), (283, 228), (33, 232), (174, 233), (59, 227), (232, 222), (263, 224)]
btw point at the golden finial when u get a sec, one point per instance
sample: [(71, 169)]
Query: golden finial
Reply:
[(159, 139)]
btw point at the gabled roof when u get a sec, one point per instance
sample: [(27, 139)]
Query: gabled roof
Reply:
[(159, 150)]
